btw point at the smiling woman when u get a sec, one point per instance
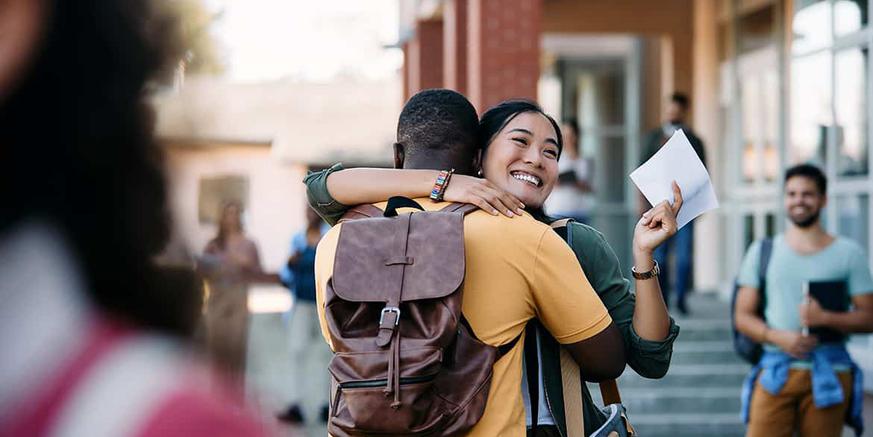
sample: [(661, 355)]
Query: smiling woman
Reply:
[(521, 149)]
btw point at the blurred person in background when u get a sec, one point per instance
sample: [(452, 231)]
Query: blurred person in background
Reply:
[(309, 354), (230, 262), (93, 333), (682, 244), (570, 199), (805, 383)]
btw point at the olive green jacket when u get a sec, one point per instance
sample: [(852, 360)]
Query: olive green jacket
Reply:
[(650, 359)]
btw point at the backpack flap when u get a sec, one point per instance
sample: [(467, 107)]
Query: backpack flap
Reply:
[(422, 252)]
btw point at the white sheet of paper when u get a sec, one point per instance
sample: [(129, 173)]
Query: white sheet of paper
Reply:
[(676, 160)]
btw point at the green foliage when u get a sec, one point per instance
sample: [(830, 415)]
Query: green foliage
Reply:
[(201, 51)]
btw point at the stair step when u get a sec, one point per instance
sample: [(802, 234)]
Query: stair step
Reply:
[(690, 375), (697, 357), (709, 330), (703, 346), (684, 400), (688, 424)]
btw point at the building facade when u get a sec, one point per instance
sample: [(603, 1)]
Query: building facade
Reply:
[(772, 83)]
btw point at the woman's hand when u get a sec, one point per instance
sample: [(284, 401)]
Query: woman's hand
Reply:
[(482, 193), (657, 224)]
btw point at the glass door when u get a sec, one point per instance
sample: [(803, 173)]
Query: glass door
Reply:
[(603, 95)]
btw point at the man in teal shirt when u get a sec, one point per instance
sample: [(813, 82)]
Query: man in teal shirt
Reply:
[(803, 385)]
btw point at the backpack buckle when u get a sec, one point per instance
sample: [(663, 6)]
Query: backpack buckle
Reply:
[(386, 310)]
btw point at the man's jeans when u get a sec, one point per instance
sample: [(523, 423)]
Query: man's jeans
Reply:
[(683, 242)]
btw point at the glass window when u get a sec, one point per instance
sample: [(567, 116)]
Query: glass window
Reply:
[(752, 124), (601, 93), (760, 102), (770, 224), (811, 25), (611, 162), (748, 230), (853, 216), (770, 125), (850, 107), (849, 16), (756, 29), (810, 108)]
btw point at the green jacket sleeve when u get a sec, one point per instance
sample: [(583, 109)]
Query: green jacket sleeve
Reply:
[(319, 197), (650, 359)]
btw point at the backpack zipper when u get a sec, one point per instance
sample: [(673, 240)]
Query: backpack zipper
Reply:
[(372, 383)]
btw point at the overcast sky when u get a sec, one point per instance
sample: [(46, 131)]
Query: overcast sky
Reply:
[(307, 40)]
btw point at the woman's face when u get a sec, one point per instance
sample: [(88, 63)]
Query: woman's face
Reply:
[(523, 158), (231, 218)]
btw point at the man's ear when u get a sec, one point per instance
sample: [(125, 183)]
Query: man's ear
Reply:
[(399, 155), (477, 162)]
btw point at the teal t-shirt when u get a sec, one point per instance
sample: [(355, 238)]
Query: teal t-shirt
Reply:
[(843, 260)]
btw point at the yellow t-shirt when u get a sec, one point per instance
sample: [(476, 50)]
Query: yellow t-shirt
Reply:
[(516, 269)]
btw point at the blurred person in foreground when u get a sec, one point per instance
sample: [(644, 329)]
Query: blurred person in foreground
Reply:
[(683, 241), (230, 262), (93, 334), (570, 198), (309, 354), (803, 384)]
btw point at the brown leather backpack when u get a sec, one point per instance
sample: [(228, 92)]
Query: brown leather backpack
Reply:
[(405, 360)]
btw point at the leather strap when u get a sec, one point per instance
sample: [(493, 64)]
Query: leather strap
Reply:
[(560, 223), (390, 316), (463, 208), (572, 389), (532, 369), (361, 212), (502, 349), (609, 392), (398, 202)]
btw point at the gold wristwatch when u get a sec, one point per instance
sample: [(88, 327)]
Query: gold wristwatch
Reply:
[(656, 270)]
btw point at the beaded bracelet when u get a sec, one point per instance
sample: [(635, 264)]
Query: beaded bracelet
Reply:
[(439, 187)]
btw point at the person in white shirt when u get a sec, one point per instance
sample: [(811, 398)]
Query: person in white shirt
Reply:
[(571, 197)]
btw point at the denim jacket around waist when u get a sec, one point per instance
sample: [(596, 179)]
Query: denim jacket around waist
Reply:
[(826, 389)]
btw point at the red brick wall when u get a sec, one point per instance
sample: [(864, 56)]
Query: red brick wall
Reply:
[(429, 37), (503, 51), (455, 45)]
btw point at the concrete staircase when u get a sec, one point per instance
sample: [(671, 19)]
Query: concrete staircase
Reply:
[(700, 395)]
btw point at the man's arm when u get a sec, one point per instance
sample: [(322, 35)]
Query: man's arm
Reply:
[(748, 322), (569, 308), (647, 356), (601, 357), (859, 320)]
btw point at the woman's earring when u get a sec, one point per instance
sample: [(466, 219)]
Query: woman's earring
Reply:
[(479, 173)]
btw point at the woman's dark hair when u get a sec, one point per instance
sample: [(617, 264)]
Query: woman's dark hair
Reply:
[(78, 152), (496, 118), (221, 237)]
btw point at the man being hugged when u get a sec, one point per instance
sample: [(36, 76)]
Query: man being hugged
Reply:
[(515, 269)]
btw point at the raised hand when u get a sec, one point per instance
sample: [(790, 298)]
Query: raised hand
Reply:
[(658, 224), (484, 194)]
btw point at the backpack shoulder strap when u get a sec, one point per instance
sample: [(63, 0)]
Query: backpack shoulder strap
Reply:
[(361, 212), (562, 223), (463, 208), (766, 253), (609, 392)]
